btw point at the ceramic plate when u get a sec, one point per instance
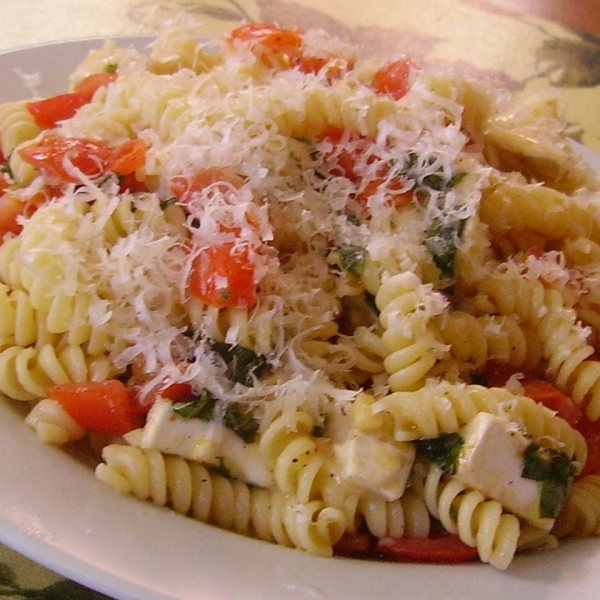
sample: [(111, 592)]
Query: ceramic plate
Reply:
[(53, 510)]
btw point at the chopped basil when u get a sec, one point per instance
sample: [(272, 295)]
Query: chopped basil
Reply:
[(236, 417), (200, 407), (443, 238), (555, 470), (240, 419), (111, 68), (242, 363), (350, 258), (443, 450)]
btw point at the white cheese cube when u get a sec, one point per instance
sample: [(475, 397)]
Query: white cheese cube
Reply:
[(208, 442), (373, 464), (491, 461)]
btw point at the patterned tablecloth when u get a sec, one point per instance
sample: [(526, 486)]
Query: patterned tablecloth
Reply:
[(512, 50)]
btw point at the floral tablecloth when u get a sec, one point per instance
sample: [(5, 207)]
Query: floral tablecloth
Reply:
[(514, 51)]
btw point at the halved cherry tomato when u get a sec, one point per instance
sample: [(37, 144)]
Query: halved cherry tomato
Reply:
[(50, 111), (590, 430), (344, 159), (130, 183), (127, 157), (223, 276), (393, 78), (103, 406), (551, 397), (94, 158), (273, 45), (173, 391), (49, 155), (184, 188), (92, 83), (334, 67), (444, 548), (12, 206), (346, 163)]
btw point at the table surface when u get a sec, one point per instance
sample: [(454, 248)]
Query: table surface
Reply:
[(520, 44)]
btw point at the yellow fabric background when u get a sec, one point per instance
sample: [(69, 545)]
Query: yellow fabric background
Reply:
[(499, 45)]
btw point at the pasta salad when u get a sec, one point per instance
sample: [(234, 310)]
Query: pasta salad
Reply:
[(342, 304)]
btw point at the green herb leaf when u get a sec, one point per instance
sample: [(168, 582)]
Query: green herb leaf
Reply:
[(555, 471), (350, 258), (243, 364), (443, 238), (111, 68), (201, 407), (236, 417), (443, 450)]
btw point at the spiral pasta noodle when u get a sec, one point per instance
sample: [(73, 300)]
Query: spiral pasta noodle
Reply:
[(412, 346), (191, 489), (478, 522), (53, 424)]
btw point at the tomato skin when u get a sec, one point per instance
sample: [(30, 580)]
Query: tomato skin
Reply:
[(88, 86), (127, 157), (444, 548), (551, 397), (173, 391), (87, 155), (103, 406), (13, 206), (184, 188), (272, 45), (51, 111), (223, 276), (393, 79), (94, 158)]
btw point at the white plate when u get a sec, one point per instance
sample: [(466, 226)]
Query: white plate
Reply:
[(54, 511)]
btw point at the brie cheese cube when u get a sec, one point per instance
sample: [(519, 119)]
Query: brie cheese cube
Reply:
[(208, 442), (491, 461), (375, 465)]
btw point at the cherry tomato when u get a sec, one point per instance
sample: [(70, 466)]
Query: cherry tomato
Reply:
[(393, 78), (94, 158), (273, 45), (103, 406), (48, 155), (12, 206), (335, 67), (223, 276), (344, 159), (127, 157), (551, 397), (184, 188), (445, 548), (50, 111), (92, 83)]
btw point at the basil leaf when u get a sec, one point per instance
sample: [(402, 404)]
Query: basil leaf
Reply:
[(243, 364), (443, 450), (443, 238)]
